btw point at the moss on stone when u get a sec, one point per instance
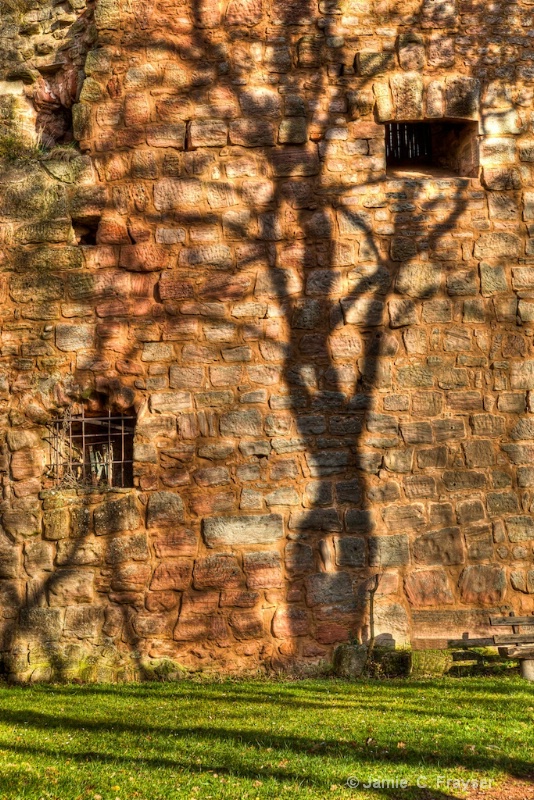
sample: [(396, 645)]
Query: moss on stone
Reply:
[(431, 663)]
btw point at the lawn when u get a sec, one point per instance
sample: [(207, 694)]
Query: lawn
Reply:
[(262, 739)]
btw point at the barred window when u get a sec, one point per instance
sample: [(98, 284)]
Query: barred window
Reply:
[(406, 141), (91, 451), (441, 147)]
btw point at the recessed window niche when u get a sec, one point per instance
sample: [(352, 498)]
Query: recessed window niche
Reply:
[(432, 149)]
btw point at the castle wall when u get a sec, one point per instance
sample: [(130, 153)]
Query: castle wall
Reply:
[(331, 367)]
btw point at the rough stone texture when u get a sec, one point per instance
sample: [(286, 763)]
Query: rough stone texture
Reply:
[(331, 365)]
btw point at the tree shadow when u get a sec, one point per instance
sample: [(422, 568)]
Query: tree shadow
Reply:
[(327, 311)]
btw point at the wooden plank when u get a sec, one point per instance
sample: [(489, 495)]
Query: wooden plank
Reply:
[(429, 644), (512, 621), (470, 643), (520, 652), (514, 638)]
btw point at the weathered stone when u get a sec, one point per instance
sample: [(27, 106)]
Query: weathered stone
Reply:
[(350, 660), (264, 529), (325, 589), (164, 510), (125, 548), (241, 423), (299, 558), (462, 97), (69, 586), (444, 547), (420, 280), (483, 585), (407, 92), (289, 622), (463, 479), (217, 572), (369, 64), (350, 551), (389, 551), (262, 570), (520, 529), (409, 517), (427, 588), (321, 519), (116, 515), (497, 245), (247, 624), (174, 575)]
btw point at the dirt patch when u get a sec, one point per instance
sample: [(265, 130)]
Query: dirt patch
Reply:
[(509, 790)]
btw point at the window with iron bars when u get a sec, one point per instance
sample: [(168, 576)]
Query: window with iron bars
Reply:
[(408, 142), (450, 146), (87, 451)]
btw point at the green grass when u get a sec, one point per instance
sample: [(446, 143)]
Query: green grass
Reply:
[(262, 739)]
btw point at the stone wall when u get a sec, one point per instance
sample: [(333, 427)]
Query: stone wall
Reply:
[(332, 368)]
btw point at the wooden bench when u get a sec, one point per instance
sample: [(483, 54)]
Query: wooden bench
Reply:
[(516, 645)]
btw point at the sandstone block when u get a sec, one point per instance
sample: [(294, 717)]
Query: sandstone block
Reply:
[(419, 280), (173, 194), (409, 517), (79, 553), (265, 529), (320, 519), (241, 423), (126, 548), (350, 551), (520, 528), (290, 621), (444, 547), (10, 558), (170, 402), (74, 337), (369, 64), (70, 586), (299, 558), (498, 245), (164, 510), (172, 576), (144, 257), (208, 133), (44, 624), (407, 92), (483, 585), (262, 570), (463, 479), (479, 453), (250, 132), (116, 515), (359, 521), (462, 97), (83, 621), (328, 588), (217, 572), (130, 576), (295, 161), (244, 12), (389, 551), (502, 503), (246, 624), (411, 50), (428, 588), (27, 463)]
